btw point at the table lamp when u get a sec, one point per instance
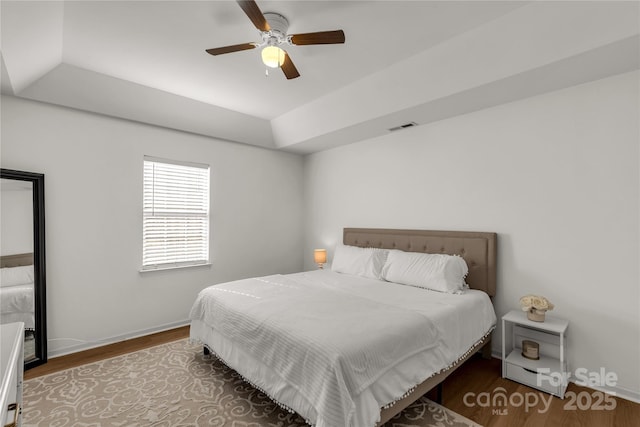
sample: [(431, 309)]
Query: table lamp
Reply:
[(320, 257)]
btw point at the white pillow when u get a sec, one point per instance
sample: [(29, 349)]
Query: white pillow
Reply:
[(439, 272), (365, 262), (12, 276)]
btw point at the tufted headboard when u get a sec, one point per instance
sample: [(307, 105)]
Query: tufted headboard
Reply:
[(479, 249)]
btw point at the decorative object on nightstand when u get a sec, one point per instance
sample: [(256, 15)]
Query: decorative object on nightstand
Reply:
[(534, 353), (530, 349), (320, 257), (535, 306)]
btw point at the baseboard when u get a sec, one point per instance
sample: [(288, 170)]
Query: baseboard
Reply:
[(621, 392), (624, 393), (87, 345)]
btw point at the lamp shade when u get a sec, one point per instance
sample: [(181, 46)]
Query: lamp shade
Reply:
[(273, 56), (320, 256)]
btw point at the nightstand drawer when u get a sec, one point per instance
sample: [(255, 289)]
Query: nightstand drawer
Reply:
[(532, 379)]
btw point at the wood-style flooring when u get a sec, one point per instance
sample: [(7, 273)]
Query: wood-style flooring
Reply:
[(99, 353), (462, 394), (473, 391)]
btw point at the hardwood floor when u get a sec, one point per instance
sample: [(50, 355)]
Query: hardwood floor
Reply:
[(88, 356), (462, 394), (469, 391)]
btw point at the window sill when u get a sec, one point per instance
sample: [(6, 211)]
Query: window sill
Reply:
[(173, 267)]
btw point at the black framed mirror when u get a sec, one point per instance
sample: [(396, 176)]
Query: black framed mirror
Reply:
[(22, 259)]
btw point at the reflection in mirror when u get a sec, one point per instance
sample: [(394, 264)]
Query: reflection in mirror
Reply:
[(22, 275), (16, 259)]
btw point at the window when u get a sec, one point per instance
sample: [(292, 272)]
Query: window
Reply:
[(175, 230)]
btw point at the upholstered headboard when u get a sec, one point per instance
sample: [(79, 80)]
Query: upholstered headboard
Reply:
[(479, 249), (16, 260)]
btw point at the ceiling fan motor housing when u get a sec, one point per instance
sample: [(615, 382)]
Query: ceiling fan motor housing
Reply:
[(279, 26)]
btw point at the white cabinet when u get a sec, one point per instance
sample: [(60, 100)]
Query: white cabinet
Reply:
[(12, 368), (549, 373)]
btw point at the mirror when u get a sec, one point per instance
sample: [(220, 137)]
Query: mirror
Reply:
[(22, 259)]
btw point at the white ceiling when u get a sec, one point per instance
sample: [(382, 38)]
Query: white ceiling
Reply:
[(146, 61)]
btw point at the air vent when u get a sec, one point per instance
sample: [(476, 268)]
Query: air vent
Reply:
[(404, 126)]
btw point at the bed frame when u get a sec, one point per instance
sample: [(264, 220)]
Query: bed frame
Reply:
[(478, 249)]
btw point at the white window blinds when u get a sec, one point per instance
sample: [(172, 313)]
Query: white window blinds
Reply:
[(175, 214)]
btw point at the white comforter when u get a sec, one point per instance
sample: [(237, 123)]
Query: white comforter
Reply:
[(336, 348)]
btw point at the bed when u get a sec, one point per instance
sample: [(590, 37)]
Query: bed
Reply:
[(346, 349), (16, 289)]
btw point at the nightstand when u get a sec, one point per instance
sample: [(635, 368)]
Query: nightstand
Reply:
[(550, 372)]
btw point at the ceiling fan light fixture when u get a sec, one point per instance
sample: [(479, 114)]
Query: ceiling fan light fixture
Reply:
[(273, 56)]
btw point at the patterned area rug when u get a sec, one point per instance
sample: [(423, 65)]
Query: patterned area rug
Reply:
[(174, 385)]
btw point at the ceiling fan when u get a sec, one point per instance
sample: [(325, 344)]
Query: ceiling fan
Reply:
[(273, 30)]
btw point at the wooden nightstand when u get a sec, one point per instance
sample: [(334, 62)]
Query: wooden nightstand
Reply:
[(550, 372)]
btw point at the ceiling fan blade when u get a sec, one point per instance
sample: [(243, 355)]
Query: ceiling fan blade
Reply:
[(255, 14), (289, 70), (322, 37), (230, 49)]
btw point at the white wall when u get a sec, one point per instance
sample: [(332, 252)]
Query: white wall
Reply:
[(556, 176), (93, 202)]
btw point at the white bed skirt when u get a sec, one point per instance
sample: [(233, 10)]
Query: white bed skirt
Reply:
[(389, 388)]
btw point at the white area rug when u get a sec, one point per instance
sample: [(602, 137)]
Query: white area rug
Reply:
[(174, 385)]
